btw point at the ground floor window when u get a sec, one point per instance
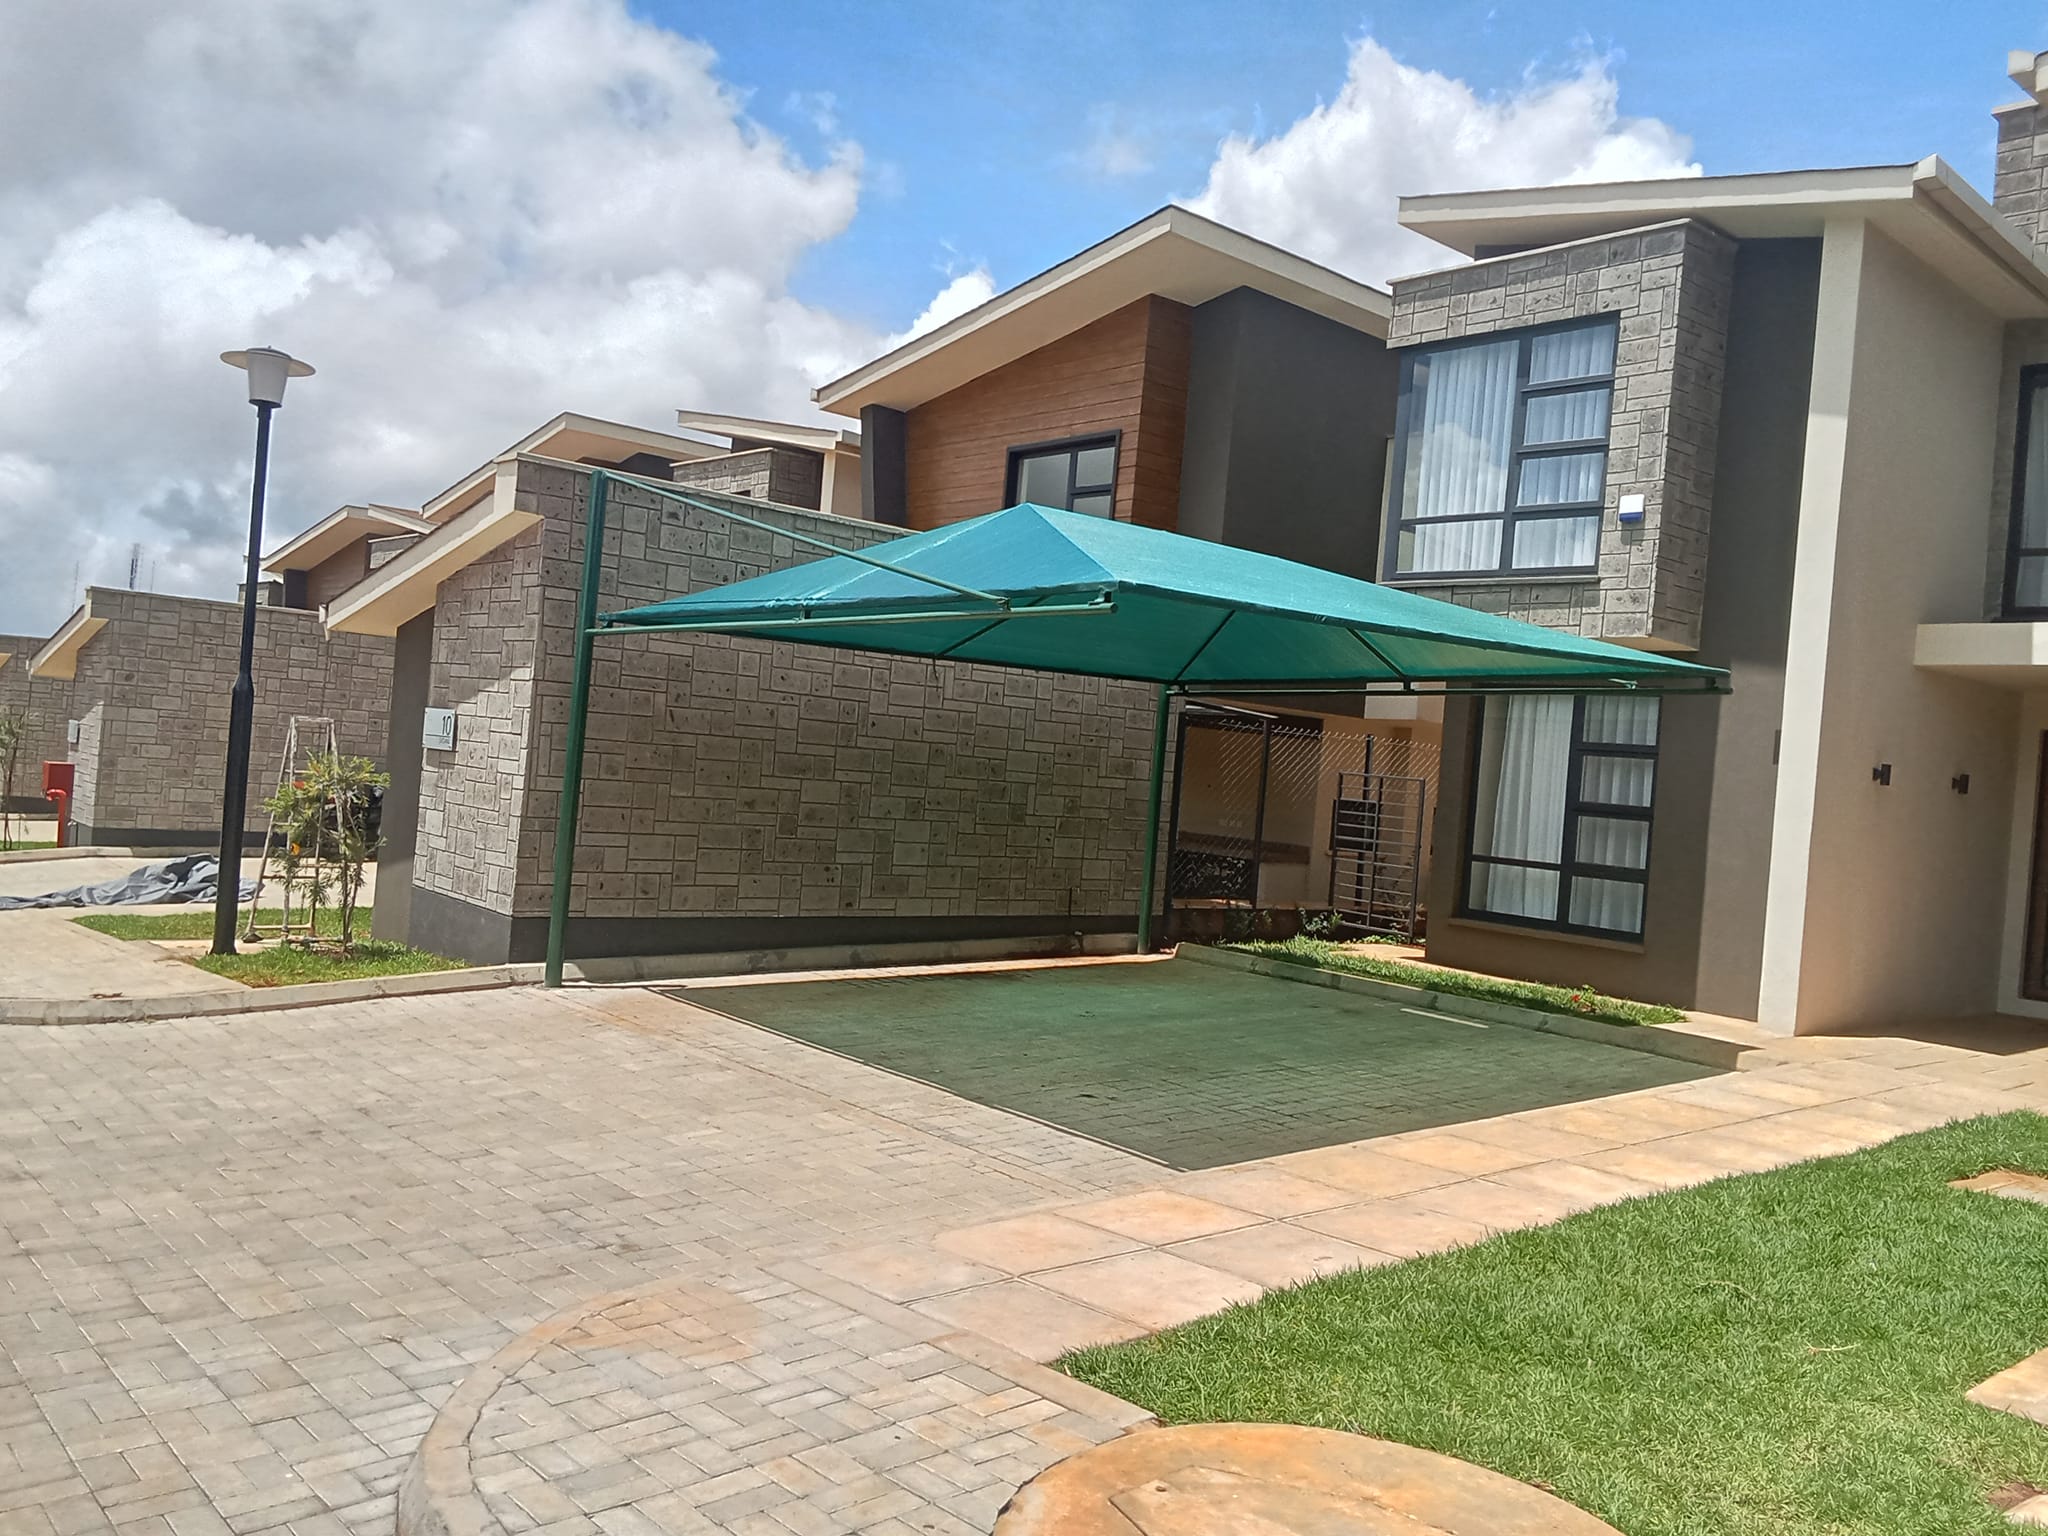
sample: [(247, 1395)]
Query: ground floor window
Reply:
[(1561, 797)]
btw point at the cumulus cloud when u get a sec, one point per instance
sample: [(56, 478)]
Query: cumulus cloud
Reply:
[(469, 216), (1327, 184), (967, 291)]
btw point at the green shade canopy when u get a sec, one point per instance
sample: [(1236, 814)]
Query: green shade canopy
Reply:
[(1059, 591)]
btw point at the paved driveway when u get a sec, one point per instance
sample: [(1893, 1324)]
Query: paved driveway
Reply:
[(242, 1261)]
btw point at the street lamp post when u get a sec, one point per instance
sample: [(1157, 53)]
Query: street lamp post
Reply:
[(268, 369)]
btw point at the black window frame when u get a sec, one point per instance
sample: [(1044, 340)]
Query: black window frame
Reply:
[(2032, 378), (1518, 453), (1569, 865), (1072, 447)]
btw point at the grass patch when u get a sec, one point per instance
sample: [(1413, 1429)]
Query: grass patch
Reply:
[(1784, 1352), (1581, 1002), (291, 967), (13, 847), (198, 923)]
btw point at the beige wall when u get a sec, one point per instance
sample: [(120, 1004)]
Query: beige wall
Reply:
[(1887, 903), (2026, 766)]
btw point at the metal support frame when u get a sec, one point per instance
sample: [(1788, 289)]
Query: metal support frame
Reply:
[(579, 710), (1152, 799), (589, 625)]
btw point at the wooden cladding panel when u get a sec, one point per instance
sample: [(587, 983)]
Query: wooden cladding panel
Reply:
[(1126, 373)]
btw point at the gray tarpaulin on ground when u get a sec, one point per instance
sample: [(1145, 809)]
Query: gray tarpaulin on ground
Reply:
[(176, 880)]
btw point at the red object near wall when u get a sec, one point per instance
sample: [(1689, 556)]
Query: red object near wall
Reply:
[(57, 781)]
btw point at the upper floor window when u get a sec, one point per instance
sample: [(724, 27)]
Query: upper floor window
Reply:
[(1078, 474), (1561, 796), (2026, 543), (1500, 456)]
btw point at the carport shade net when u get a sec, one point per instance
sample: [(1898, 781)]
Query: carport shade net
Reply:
[(1048, 590)]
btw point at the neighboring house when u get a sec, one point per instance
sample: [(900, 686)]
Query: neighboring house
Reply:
[(747, 795), (46, 704), (1790, 425), (479, 609), (1184, 376), (339, 551), (149, 678)]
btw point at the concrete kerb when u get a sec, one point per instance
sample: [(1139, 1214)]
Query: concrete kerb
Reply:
[(621, 971), (438, 1495), (1652, 1039), (89, 851), (240, 999)]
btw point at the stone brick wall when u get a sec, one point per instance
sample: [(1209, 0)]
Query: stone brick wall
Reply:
[(1669, 285), (729, 777), (473, 798), (788, 476), (2019, 183), (152, 691), (47, 702)]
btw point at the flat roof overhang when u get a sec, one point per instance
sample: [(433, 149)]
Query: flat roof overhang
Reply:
[(1925, 207), (59, 656), (2004, 655), (408, 584), (339, 529), (755, 429), (1173, 254), (575, 438)]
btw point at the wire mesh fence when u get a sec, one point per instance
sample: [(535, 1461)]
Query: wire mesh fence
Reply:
[(1284, 811)]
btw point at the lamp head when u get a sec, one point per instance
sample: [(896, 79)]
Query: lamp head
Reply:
[(268, 369)]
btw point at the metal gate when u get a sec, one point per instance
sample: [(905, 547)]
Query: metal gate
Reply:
[(1378, 830), (1277, 811)]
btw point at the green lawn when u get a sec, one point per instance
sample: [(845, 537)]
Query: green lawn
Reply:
[(9, 846), (1582, 1002), (279, 967), (197, 922), (1784, 1353), (289, 967)]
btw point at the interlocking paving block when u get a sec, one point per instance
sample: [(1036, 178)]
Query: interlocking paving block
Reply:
[(1200, 1067), (1280, 1480)]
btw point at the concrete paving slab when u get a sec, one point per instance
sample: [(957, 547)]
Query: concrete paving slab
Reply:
[(1280, 1480)]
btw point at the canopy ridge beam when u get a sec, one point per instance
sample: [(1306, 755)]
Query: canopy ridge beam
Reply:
[(712, 509)]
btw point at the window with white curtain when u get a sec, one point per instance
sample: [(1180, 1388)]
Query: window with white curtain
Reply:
[(1500, 456), (1561, 798)]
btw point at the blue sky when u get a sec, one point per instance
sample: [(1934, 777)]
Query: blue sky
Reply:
[(975, 119)]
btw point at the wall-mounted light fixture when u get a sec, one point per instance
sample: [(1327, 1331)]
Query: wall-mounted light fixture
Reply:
[(1881, 774), (1960, 783)]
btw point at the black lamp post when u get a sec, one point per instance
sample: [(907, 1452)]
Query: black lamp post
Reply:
[(268, 369)]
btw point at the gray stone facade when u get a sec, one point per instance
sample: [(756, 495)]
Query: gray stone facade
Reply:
[(2019, 183), (1669, 286), (789, 477), (47, 703), (151, 694), (745, 779)]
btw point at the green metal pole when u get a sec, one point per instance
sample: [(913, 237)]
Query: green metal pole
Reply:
[(1152, 820), (579, 711)]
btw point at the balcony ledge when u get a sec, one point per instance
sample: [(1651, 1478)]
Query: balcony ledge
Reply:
[(2005, 655)]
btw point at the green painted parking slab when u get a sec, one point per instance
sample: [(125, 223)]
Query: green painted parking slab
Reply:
[(1190, 1065)]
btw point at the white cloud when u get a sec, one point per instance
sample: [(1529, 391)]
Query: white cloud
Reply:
[(1116, 149), (965, 292), (1326, 185), (467, 216)]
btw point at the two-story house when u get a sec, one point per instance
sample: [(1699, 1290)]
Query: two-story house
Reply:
[(1785, 424)]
